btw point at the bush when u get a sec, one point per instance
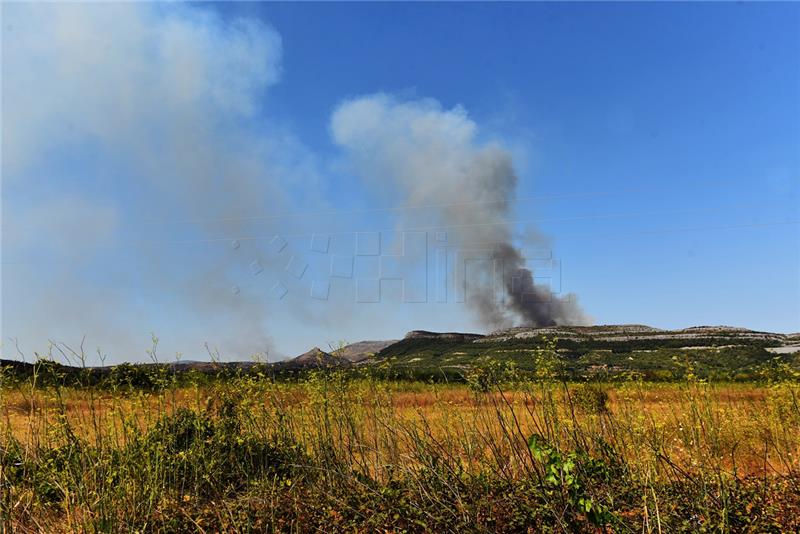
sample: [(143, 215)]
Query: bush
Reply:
[(212, 455), (488, 374), (590, 398)]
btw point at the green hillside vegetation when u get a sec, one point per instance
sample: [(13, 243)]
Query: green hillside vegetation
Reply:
[(726, 357), (606, 353)]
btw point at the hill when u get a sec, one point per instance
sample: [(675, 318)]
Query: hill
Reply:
[(316, 357), (363, 350), (606, 351), (721, 352)]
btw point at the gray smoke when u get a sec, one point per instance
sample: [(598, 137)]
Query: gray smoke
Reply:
[(432, 158), (167, 98)]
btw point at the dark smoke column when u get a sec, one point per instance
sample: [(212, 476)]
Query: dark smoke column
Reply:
[(534, 305)]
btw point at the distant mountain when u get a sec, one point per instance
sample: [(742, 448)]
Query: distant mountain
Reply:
[(634, 332), (363, 350), (722, 352), (446, 336), (317, 357)]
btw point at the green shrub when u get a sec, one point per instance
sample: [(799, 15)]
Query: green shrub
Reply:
[(590, 398), (573, 475)]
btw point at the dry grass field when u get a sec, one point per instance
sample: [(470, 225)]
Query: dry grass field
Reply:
[(333, 452), (742, 428)]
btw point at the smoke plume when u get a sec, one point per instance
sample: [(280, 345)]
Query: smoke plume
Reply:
[(432, 158)]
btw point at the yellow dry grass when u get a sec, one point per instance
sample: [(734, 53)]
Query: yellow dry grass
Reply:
[(741, 429)]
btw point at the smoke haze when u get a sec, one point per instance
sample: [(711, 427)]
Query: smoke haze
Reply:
[(135, 146), (125, 118)]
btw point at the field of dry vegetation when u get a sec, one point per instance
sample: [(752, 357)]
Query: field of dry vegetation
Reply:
[(334, 452)]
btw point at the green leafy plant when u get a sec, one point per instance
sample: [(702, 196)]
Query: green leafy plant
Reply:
[(571, 475)]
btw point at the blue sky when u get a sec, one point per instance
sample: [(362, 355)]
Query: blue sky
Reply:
[(151, 154)]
